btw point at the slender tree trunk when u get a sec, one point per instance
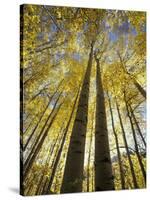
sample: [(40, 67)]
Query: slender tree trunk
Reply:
[(30, 181), (137, 125), (22, 120), (103, 169), (140, 89), (40, 119), (33, 154), (40, 134), (35, 128), (73, 174), (55, 165), (137, 85), (28, 115), (32, 77), (39, 92), (135, 142), (40, 144), (49, 157), (28, 192), (51, 150), (29, 126), (89, 156), (93, 178), (117, 147), (127, 148)]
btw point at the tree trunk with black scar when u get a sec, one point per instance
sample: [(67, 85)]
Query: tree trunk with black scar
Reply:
[(73, 174), (103, 169), (117, 146), (55, 164), (135, 142), (127, 148)]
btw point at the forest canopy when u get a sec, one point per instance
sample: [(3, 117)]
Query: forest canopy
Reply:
[(83, 99)]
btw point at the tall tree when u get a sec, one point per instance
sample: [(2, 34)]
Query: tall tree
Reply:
[(135, 140), (59, 43), (137, 124), (103, 169), (73, 175), (127, 148), (117, 146)]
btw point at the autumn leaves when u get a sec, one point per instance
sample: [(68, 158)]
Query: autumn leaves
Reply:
[(75, 77)]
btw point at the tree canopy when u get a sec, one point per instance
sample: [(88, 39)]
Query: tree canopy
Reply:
[(83, 105)]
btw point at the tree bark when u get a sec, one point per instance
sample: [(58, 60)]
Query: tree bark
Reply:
[(73, 174), (103, 169), (127, 148), (117, 147)]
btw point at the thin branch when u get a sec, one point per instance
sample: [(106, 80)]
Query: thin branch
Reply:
[(122, 147), (54, 21)]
